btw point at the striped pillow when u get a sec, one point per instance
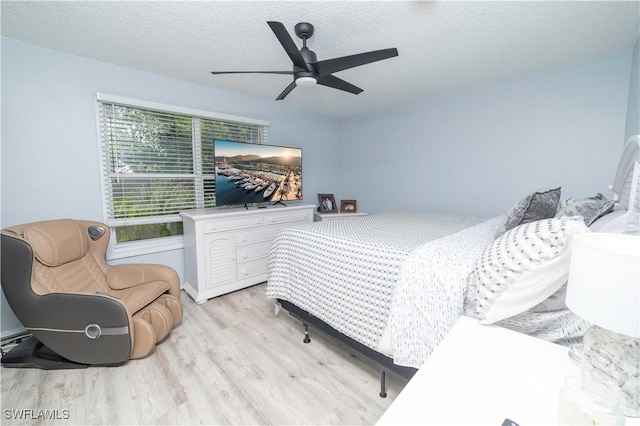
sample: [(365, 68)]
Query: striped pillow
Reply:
[(523, 267)]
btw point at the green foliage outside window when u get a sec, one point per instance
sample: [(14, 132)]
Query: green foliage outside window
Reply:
[(160, 164), (142, 232)]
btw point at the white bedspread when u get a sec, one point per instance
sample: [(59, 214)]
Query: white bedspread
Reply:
[(345, 271), (431, 290)]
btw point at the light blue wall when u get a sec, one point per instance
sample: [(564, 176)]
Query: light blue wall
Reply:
[(478, 151), (633, 106), (50, 165)]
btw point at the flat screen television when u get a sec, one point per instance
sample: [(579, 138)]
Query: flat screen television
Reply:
[(248, 173)]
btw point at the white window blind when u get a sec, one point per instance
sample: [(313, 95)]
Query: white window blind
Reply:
[(157, 162)]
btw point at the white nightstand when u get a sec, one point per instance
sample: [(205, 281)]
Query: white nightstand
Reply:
[(318, 217), (482, 375)]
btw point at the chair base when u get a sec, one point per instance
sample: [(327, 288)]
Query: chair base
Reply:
[(31, 353)]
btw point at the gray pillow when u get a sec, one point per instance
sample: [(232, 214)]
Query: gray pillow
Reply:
[(537, 205), (591, 208)]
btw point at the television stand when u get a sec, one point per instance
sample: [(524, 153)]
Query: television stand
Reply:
[(279, 202), (228, 249)]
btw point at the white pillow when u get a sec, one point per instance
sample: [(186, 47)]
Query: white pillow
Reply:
[(555, 302), (524, 267), (618, 222)]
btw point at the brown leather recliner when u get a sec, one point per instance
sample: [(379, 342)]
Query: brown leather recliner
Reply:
[(76, 306)]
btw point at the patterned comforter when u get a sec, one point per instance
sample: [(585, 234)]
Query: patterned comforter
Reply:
[(432, 290), (345, 271)]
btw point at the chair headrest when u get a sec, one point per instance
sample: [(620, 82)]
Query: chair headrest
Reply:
[(56, 242)]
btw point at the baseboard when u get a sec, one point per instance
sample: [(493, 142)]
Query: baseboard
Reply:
[(10, 333)]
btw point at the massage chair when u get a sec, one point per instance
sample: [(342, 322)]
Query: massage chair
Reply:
[(79, 310)]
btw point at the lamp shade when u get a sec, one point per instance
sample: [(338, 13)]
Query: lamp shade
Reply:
[(604, 281)]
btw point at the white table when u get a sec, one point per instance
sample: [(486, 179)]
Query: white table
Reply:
[(482, 375)]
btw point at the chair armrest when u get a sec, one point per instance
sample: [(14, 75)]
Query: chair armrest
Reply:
[(130, 275), (84, 328), (125, 276)]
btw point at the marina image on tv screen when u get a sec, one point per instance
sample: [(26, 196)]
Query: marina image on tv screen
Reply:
[(249, 173)]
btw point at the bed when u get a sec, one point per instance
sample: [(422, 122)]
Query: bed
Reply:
[(391, 285), (343, 272)]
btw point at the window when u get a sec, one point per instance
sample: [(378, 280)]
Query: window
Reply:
[(157, 160)]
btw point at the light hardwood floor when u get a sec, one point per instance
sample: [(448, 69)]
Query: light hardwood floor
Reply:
[(230, 361)]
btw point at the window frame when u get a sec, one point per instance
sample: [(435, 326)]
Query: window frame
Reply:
[(118, 250)]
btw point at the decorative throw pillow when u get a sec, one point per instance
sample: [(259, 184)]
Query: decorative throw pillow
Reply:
[(591, 208), (523, 267), (537, 205), (564, 203)]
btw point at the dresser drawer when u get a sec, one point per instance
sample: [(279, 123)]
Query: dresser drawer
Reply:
[(285, 217), (233, 223), (258, 235), (252, 269), (253, 252)]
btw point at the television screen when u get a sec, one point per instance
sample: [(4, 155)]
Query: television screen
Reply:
[(248, 173)]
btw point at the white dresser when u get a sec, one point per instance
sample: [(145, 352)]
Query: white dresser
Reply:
[(228, 249)]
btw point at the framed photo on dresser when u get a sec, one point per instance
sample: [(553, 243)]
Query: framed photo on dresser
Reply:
[(348, 206), (327, 203)]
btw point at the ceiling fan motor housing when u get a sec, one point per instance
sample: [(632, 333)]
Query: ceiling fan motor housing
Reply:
[(309, 56), (304, 30)]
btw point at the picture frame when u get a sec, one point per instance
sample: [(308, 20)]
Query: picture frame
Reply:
[(348, 206), (327, 203)]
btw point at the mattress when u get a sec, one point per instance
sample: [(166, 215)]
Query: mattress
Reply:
[(344, 272)]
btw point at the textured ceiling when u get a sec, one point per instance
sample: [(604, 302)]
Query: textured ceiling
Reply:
[(443, 46)]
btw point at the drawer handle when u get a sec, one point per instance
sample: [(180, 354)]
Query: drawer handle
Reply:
[(244, 272), (245, 255), (244, 239)]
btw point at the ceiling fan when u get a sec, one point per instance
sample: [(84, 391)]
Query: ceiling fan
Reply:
[(307, 70)]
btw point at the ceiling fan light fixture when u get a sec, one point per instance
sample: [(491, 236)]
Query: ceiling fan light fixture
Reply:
[(307, 70), (305, 81)]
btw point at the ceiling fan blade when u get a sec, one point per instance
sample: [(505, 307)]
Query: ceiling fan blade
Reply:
[(252, 72), (330, 66), (286, 91), (337, 83), (287, 42)]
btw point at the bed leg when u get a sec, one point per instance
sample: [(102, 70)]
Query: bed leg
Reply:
[(306, 333), (383, 383)]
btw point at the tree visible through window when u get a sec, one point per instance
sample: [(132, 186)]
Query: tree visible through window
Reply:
[(156, 164)]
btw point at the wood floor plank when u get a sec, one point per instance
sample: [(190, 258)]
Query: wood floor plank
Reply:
[(230, 361)]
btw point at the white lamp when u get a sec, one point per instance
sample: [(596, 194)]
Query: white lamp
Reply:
[(305, 81), (604, 289)]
